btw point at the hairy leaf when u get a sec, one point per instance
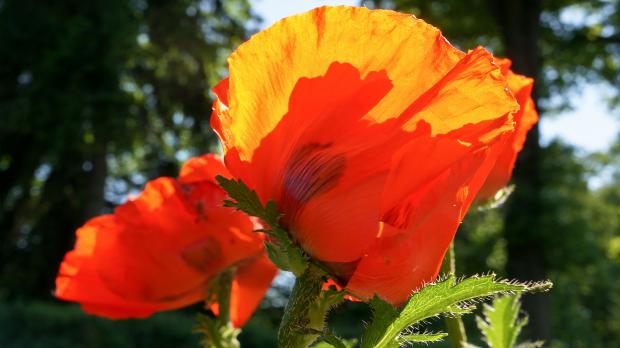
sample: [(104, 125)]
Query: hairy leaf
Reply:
[(502, 325), (423, 338), (445, 297)]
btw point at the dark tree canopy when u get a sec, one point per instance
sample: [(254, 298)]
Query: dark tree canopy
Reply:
[(95, 97)]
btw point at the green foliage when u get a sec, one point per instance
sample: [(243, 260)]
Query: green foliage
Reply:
[(480, 242), (331, 340), (261, 330), (282, 251), (443, 298), (43, 325), (383, 314), (583, 224), (349, 319), (585, 272), (502, 325), (328, 343), (61, 325)]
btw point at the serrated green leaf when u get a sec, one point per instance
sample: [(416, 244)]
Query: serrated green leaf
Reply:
[(281, 250), (328, 299), (423, 338), (501, 324), (245, 199), (276, 256), (271, 213), (445, 297)]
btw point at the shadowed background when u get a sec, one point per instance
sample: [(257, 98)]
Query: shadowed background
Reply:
[(98, 97)]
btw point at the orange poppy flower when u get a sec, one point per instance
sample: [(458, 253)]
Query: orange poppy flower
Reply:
[(160, 250), (525, 119), (370, 132)]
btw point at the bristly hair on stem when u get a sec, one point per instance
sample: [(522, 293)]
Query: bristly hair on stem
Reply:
[(218, 332), (454, 324)]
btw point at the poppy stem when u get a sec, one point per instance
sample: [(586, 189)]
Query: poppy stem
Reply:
[(456, 329), (219, 332), (301, 325), (224, 289)]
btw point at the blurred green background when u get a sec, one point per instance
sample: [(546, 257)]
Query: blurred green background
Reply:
[(97, 97)]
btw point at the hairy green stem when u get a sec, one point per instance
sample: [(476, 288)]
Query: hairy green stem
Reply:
[(301, 323), (224, 289), (219, 332), (455, 327)]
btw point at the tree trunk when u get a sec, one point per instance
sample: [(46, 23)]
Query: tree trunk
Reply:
[(95, 200), (519, 21)]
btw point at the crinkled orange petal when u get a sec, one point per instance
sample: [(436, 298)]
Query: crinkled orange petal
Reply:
[(473, 91), (525, 119)]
